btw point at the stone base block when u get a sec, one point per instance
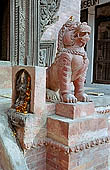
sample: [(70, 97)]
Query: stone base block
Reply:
[(36, 158), (27, 127), (95, 157), (76, 110), (70, 132)]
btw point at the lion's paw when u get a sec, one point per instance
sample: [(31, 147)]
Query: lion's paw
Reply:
[(83, 97), (68, 98), (52, 96)]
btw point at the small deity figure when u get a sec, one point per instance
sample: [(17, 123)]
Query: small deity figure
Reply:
[(71, 62), (23, 92)]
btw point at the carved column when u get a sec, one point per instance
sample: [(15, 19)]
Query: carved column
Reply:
[(24, 31), (14, 32)]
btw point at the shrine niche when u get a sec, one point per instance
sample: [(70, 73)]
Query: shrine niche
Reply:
[(28, 102), (28, 87), (23, 92)]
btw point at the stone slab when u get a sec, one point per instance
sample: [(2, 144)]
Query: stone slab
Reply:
[(69, 132), (76, 110), (11, 157)]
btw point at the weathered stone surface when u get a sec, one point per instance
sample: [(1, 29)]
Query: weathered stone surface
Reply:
[(36, 158), (74, 111), (31, 128), (5, 77), (70, 132), (11, 157)]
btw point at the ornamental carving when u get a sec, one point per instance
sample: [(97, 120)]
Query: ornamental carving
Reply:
[(71, 63), (22, 31), (48, 9)]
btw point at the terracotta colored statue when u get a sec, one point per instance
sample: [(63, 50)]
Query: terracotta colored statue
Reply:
[(71, 62)]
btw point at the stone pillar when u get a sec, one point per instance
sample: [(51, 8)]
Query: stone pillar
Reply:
[(90, 45), (24, 32)]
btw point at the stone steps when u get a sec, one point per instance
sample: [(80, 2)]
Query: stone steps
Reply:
[(78, 138), (69, 132)]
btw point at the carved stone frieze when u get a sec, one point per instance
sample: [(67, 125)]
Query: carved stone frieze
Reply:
[(24, 37), (16, 31), (48, 9), (22, 31)]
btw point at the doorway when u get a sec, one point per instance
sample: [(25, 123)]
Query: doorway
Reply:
[(5, 30), (102, 45)]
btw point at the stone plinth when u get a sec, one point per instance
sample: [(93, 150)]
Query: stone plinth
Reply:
[(80, 142), (38, 87), (76, 110), (60, 157), (27, 127), (36, 158), (69, 132), (30, 129)]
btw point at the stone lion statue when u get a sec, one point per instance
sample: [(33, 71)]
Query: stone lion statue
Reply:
[(71, 63)]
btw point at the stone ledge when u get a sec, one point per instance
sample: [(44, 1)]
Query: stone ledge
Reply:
[(76, 110), (26, 127), (78, 147), (69, 132)]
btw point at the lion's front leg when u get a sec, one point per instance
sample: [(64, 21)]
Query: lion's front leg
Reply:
[(64, 77), (79, 89)]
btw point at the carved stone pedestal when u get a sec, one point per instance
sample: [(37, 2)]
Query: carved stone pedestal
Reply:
[(25, 127), (28, 104), (38, 86), (77, 138)]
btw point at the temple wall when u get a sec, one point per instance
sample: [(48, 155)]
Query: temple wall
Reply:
[(5, 76)]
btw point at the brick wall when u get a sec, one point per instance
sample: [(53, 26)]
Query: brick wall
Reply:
[(36, 158), (95, 158)]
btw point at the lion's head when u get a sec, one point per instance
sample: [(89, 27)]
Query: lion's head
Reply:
[(73, 33)]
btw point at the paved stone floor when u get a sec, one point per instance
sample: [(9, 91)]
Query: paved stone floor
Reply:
[(5, 97)]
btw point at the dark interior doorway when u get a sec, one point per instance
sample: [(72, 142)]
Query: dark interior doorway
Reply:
[(84, 15), (4, 30), (102, 45)]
